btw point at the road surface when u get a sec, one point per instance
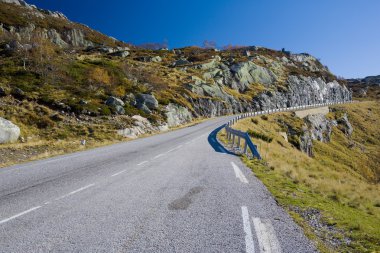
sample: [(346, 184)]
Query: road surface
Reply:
[(175, 192)]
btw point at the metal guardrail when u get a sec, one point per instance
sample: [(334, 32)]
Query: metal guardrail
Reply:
[(248, 144)]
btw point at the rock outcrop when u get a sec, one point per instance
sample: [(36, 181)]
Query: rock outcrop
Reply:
[(141, 126), (300, 90), (177, 115), (319, 127), (303, 91), (345, 125), (9, 132)]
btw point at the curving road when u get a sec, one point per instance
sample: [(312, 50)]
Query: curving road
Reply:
[(175, 192)]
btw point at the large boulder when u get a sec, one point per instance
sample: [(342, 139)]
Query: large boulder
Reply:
[(9, 132), (345, 125), (117, 104), (320, 127), (146, 100), (177, 115)]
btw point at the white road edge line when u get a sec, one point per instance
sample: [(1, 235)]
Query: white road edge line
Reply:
[(249, 246), (239, 174), (76, 191), (118, 173), (266, 236), (142, 163), (20, 214)]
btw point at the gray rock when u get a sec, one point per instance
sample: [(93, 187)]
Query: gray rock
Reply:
[(130, 99), (345, 125), (148, 58), (141, 126), (181, 62), (247, 73), (2, 92), (148, 100), (122, 54), (177, 115), (319, 126), (112, 101), (117, 104), (363, 92), (156, 59), (144, 108), (9, 132), (18, 93), (306, 143)]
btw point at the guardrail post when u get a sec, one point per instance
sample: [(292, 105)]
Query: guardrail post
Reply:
[(238, 143)]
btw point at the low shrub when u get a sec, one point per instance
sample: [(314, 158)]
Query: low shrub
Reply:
[(254, 121)]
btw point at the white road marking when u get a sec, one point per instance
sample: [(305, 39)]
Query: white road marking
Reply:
[(266, 236), (171, 150), (47, 203), (239, 174), (174, 149), (142, 163), (158, 156), (118, 173), (249, 246), (76, 191), (20, 214)]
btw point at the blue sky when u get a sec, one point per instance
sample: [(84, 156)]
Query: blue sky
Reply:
[(344, 34)]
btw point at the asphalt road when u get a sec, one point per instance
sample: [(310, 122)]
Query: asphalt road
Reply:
[(174, 192)]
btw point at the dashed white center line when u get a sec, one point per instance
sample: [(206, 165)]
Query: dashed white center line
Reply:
[(144, 162), (266, 236), (239, 174), (158, 156), (249, 246), (76, 191), (20, 214), (118, 173)]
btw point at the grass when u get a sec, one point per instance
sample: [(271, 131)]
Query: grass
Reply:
[(342, 180)]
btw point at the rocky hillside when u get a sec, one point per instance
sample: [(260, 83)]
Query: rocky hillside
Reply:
[(60, 80), (368, 87)]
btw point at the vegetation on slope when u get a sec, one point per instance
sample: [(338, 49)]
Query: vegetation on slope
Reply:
[(335, 195)]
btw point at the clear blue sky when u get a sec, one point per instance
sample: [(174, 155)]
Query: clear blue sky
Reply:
[(344, 34)]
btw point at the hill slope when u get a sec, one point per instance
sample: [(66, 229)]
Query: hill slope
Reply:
[(61, 82)]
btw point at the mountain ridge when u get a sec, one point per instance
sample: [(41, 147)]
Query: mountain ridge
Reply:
[(79, 73)]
